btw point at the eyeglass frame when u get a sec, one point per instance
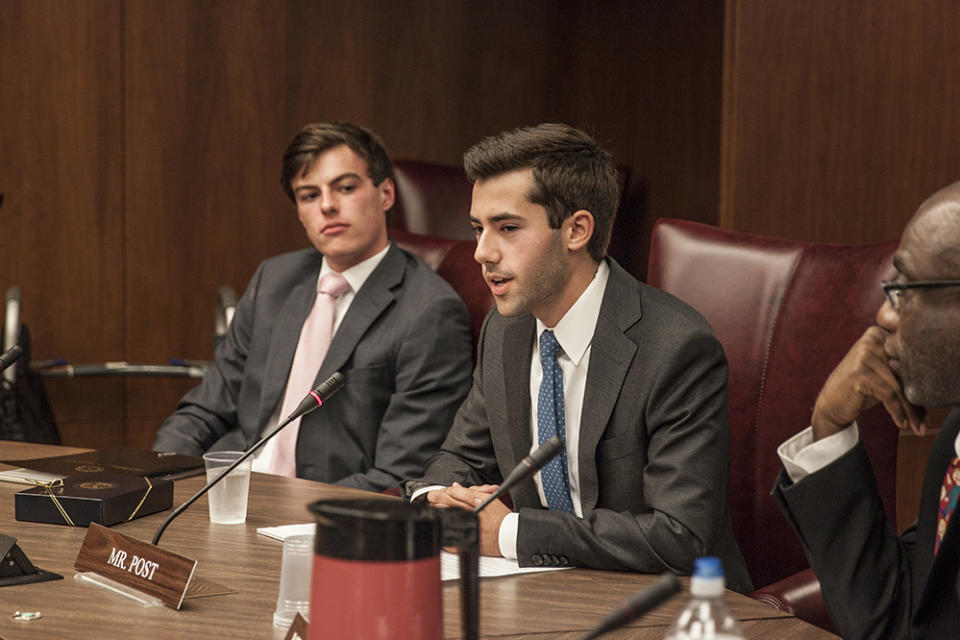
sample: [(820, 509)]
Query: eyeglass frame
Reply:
[(894, 290)]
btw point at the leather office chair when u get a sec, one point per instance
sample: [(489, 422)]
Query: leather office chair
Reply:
[(432, 199), (453, 261), (786, 313)]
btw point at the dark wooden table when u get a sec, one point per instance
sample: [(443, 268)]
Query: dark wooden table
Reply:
[(562, 604)]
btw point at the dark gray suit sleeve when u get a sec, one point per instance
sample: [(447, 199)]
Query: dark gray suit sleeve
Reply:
[(467, 454), (682, 483), (432, 378), (863, 566), (207, 412)]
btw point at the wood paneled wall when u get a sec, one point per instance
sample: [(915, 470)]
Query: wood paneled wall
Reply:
[(840, 118), (140, 141), (141, 145), (61, 170)]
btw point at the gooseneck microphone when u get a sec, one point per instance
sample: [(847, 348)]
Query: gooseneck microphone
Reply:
[(639, 604), (10, 356), (312, 401), (527, 467)]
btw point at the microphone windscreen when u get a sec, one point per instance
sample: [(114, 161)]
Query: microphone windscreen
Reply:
[(546, 452), (526, 468), (329, 386), (10, 356)]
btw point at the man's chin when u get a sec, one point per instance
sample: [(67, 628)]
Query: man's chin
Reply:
[(925, 396), (509, 309)]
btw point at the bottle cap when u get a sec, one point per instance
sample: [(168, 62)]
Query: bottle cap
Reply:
[(708, 567), (707, 580)]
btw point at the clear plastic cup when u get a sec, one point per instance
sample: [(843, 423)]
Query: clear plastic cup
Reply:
[(228, 498), (296, 569)]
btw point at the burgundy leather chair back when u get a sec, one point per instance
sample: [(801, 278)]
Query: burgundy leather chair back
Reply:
[(453, 261), (786, 313), (432, 199)]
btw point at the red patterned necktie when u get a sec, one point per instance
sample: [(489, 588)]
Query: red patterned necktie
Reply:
[(949, 493), (315, 337)]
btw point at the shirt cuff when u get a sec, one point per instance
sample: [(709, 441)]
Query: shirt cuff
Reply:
[(424, 491), (801, 456), (507, 537)]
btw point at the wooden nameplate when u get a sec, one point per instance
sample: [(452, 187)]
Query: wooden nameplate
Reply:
[(138, 565)]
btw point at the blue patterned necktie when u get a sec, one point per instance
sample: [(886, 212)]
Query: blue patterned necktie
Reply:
[(550, 422)]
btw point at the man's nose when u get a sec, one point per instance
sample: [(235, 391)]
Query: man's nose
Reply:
[(887, 316), (486, 251), (328, 202)]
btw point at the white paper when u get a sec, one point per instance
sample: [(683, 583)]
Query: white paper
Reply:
[(490, 567), (282, 532), (28, 476)]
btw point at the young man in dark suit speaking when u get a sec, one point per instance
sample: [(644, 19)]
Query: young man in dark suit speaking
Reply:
[(355, 303), (631, 379)]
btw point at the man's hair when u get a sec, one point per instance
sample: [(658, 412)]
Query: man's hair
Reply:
[(318, 137), (570, 172)]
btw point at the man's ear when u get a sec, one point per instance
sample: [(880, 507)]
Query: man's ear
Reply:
[(578, 229), (387, 193)]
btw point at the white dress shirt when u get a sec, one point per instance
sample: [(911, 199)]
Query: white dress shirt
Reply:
[(355, 277), (574, 332), (801, 456)]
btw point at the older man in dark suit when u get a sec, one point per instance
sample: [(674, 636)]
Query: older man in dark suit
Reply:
[(354, 302), (877, 584), (631, 379)]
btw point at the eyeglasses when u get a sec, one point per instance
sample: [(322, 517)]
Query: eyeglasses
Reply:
[(894, 290)]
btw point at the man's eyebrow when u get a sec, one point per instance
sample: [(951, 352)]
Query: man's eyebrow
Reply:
[(500, 217), (898, 262), (339, 178), (345, 176)]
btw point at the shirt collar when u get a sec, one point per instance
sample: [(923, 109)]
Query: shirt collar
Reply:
[(358, 273), (575, 329)]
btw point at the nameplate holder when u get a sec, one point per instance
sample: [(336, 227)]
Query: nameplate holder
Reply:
[(299, 629), (135, 564)]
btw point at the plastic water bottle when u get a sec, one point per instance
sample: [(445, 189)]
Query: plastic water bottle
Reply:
[(706, 616)]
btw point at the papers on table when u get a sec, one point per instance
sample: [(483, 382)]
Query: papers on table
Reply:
[(489, 567), (28, 476), (449, 562), (281, 533)]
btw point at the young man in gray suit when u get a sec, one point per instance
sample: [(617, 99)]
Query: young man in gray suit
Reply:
[(632, 380), (400, 335)]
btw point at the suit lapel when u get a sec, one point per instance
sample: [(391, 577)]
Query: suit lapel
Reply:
[(943, 568), (374, 297), (283, 344), (611, 353), (517, 347)]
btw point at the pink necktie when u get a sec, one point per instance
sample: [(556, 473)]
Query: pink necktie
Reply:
[(314, 342)]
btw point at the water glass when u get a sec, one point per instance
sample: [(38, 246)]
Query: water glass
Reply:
[(296, 570), (228, 499)]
